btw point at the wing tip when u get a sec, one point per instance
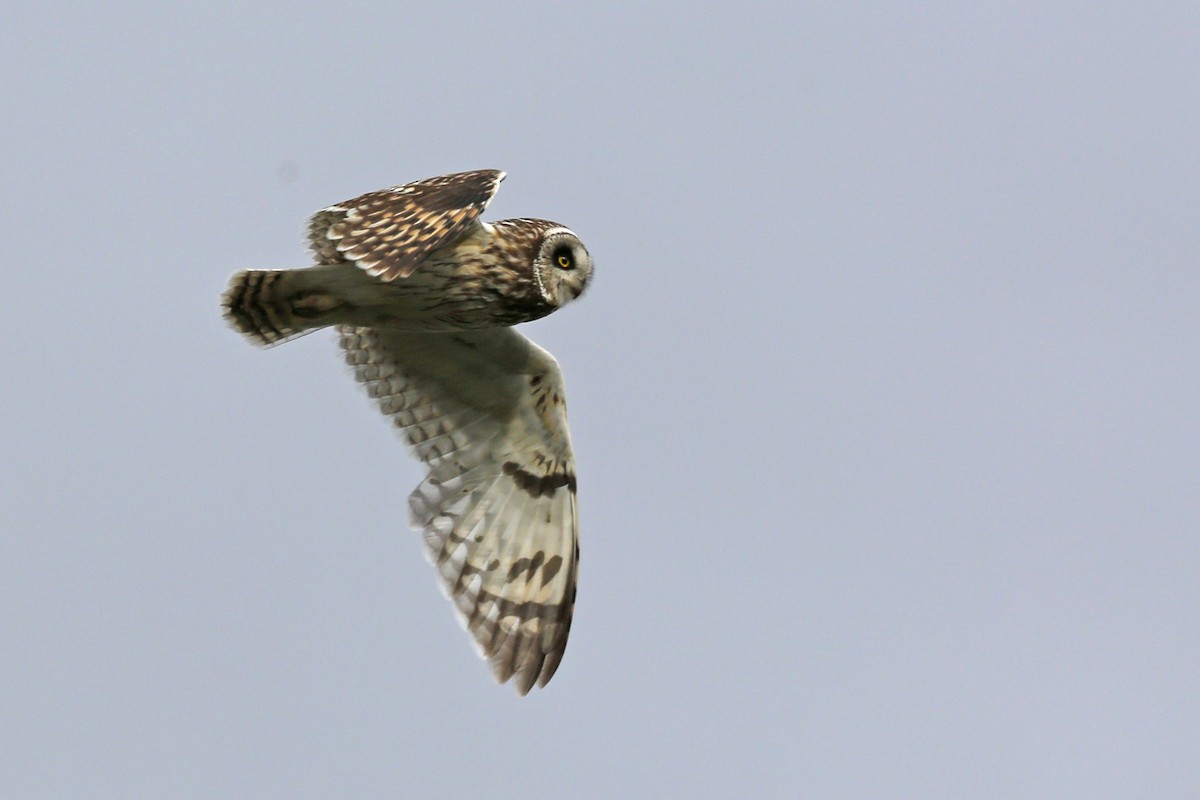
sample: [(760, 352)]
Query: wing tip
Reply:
[(496, 175)]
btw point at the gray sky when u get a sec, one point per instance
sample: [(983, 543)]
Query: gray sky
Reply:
[(884, 401)]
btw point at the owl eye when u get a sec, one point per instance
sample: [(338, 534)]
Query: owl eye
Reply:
[(563, 259)]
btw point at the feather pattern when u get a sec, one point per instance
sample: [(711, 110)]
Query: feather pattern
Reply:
[(389, 233), (484, 410)]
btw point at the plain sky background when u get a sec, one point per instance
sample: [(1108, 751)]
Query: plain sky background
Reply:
[(885, 402)]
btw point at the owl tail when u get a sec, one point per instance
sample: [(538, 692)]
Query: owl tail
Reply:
[(271, 306)]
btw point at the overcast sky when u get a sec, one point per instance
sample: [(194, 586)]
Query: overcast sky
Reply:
[(885, 400)]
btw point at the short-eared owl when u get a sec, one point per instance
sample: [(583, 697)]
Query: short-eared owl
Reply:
[(423, 293)]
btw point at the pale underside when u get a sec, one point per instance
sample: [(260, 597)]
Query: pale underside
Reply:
[(485, 411)]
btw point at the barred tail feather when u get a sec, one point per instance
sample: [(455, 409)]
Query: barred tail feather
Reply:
[(271, 306)]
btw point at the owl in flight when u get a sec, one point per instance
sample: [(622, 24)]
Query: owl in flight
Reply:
[(423, 294)]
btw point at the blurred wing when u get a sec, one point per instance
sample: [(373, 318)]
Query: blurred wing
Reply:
[(390, 232), (485, 411)]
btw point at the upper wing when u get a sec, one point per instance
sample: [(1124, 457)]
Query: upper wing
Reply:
[(390, 232), (485, 411)]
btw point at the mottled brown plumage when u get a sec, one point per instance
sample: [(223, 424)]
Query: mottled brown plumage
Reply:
[(423, 294), (400, 270), (390, 232)]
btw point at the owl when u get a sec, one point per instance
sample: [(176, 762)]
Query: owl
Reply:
[(423, 295)]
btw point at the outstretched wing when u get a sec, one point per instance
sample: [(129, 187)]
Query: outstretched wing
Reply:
[(390, 232), (485, 411)]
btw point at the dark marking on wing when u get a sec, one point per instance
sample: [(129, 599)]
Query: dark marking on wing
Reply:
[(529, 566), (539, 485), (553, 565)]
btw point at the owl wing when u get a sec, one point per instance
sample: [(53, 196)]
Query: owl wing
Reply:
[(485, 411), (390, 232)]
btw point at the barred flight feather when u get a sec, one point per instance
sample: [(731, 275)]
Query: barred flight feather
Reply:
[(484, 411)]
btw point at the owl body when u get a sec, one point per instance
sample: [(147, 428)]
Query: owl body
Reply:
[(423, 294), (493, 276)]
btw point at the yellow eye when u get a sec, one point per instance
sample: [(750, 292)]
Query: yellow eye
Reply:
[(564, 260)]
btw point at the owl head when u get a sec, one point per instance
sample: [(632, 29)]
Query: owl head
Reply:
[(561, 265)]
